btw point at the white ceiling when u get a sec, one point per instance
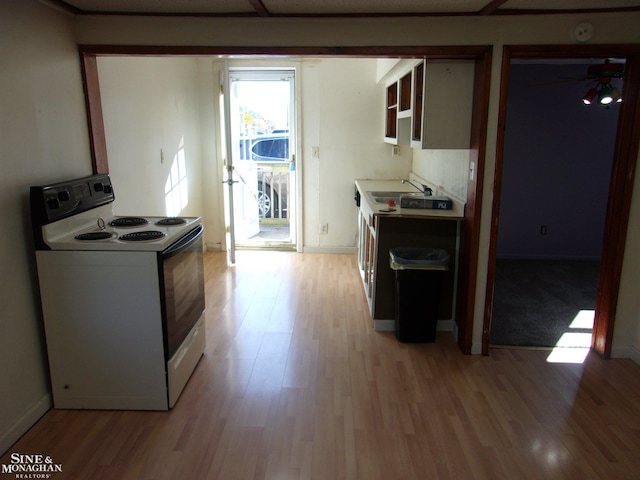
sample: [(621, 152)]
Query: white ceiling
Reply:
[(266, 8)]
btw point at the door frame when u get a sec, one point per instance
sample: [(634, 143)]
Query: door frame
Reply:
[(620, 187), (262, 69), (481, 54)]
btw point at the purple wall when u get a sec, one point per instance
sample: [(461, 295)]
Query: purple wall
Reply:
[(557, 164)]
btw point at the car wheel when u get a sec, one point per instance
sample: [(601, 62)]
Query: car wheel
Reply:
[(265, 202)]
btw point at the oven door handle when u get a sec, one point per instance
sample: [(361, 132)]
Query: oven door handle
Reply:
[(184, 242)]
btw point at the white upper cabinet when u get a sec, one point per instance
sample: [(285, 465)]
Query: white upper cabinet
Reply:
[(399, 109), (442, 104), (429, 104)]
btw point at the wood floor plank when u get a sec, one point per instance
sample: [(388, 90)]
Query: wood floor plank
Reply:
[(295, 384)]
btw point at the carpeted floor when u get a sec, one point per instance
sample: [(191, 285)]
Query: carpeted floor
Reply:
[(536, 301)]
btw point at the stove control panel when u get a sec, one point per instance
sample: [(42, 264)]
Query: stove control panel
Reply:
[(61, 200)]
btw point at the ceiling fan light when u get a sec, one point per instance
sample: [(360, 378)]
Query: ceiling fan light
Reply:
[(616, 95), (589, 96), (605, 97)]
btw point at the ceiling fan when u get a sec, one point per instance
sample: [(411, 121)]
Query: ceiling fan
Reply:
[(603, 90)]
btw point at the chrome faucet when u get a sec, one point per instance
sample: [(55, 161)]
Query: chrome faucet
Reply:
[(426, 191)]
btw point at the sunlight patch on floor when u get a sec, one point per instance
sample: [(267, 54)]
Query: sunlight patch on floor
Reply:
[(568, 355), (573, 347), (584, 319)]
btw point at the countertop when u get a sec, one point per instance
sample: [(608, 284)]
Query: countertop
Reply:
[(364, 186)]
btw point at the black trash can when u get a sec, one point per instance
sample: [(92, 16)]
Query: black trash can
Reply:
[(419, 278)]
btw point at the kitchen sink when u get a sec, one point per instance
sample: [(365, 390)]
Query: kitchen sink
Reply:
[(384, 197), (412, 200)]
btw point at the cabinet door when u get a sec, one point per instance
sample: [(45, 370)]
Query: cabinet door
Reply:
[(391, 121), (418, 105), (404, 102), (398, 111), (442, 104)]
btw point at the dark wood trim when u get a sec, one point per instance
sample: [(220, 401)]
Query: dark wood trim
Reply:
[(95, 118), (481, 54), (620, 189), (618, 208), (259, 7), (565, 11), (572, 51), (495, 206), (442, 52), (62, 5), (492, 6), (468, 270)]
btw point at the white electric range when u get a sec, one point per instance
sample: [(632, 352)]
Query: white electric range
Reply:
[(122, 298)]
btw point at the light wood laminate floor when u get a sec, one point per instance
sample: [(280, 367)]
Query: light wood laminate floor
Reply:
[(295, 384)]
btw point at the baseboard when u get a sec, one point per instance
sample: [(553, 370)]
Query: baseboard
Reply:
[(390, 325), (626, 352), (25, 422), (213, 247), (445, 326), (384, 325), (338, 250)]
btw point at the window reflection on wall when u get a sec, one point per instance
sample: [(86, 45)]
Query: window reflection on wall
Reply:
[(176, 189)]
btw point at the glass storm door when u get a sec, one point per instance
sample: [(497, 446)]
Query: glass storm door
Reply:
[(262, 129)]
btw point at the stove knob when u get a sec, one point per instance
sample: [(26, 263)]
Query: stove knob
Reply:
[(64, 196), (107, 189), (53, 204), (98, 187)]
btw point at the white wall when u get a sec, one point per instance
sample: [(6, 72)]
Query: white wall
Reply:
[(44, 139), (556, 172), (151, 104), (626, 336), (342, 114), (446, 168), (151, 110), (212, 145)]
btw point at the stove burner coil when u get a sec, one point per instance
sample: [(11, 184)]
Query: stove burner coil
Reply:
[(169, 221), (94, 236), (128, 222), (142, 236)]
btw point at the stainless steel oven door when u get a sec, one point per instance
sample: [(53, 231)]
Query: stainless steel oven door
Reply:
[(182, 288)]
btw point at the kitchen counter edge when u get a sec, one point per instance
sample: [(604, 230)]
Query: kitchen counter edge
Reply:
[(364, 186)]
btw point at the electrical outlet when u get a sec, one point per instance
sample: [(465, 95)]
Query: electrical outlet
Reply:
[(324, 228), (315, 152)]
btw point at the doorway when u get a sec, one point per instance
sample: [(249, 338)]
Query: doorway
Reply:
[(558, 154), (482, 55), (620, 186), (262, 124)]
